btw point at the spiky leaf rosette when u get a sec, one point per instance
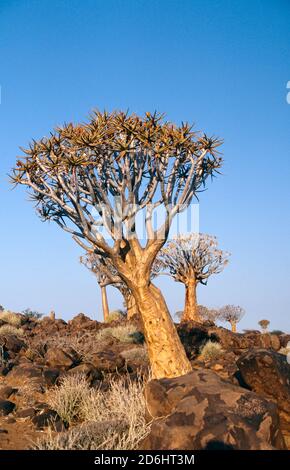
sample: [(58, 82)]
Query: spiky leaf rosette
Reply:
[(101, 173)]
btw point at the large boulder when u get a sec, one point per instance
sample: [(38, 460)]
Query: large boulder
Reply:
[(87, 370), (201, 411), (62, 358), (268, 374), (27, 374), (6, 392), (107, 361)]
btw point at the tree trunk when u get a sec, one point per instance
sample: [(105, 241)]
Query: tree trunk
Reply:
[(166, 353), (190, 312), (234, 326), (131, 306), (105, 304)]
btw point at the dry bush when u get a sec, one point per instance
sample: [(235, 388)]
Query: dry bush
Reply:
[(68, 399), (88, 436), (125, 333), (11, 330), (210, 350), (11, 318), (110, 420), (78, 342), (115, 315)]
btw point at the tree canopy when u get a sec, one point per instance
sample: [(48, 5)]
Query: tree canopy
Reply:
[(194, 255)]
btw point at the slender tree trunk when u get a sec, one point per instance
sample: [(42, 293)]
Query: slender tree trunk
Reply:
[(105, 304), (234, 326), (190, 312), (166, 353), (131, 306)]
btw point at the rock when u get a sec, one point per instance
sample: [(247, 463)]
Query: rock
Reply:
[(217, 367), (10, 420), (284, 340), (6, 407), (86, 369), (201, 411), (21, 373), (136, 360), (50, 376), (6, 392), (12, 343), (47, 327), (62, 358), (269, 341), (26, 413), (3, 431), (193, 336), (107, 361), (49, 418), (82, 322), (268, 374)]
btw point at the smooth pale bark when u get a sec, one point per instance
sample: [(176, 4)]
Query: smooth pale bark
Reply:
[(190, 312), (166, 353), (105, 304), (234, 326), (131, 306)]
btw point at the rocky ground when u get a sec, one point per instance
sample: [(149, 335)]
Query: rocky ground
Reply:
[(238, 397)]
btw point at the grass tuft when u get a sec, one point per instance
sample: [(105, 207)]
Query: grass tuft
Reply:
[(210, 351), (109, 420)]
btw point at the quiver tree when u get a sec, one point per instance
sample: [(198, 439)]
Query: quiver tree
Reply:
[(107, 275), (208, 314), (191, 259), (98, 176), (264, 325), (232, 314)]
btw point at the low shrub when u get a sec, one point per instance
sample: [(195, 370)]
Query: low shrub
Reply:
[(210, 350), (109, 420), (116, 315), (11, 318), (124, 333), (28, 313), (11, 330), (68, 399)]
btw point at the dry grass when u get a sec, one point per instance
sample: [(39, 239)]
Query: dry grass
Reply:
[(78, 342), (11, 330), (125, 333), (68, 399), (115, 315), (210, 351), (110, 420), (11, 318)]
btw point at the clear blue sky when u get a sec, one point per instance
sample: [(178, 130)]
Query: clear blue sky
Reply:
[(222, 64)]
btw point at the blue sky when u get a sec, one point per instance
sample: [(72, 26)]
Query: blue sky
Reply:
[(221, 64)]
